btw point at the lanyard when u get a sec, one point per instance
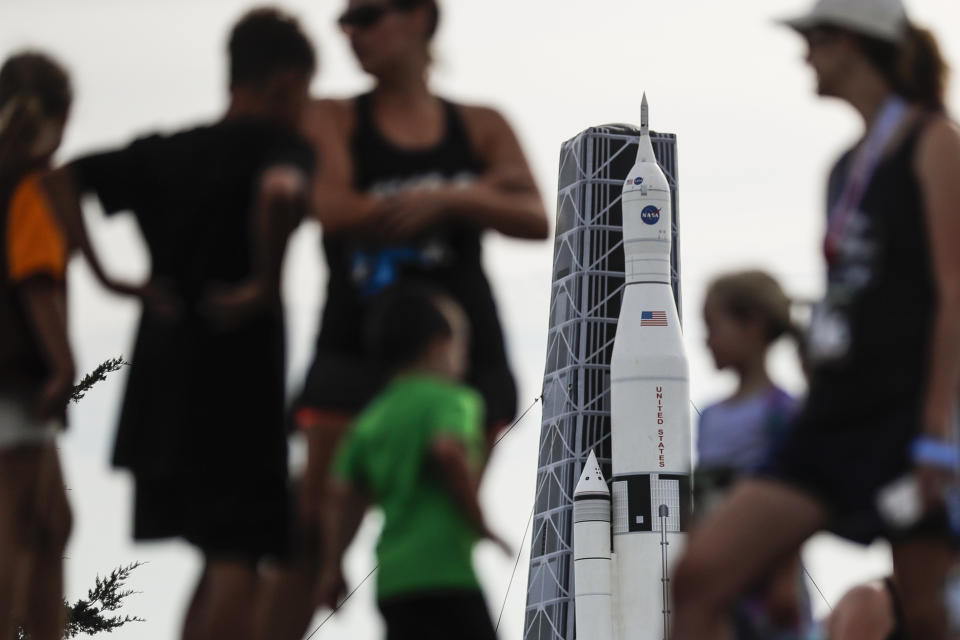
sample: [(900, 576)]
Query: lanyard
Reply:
[(865, 163)]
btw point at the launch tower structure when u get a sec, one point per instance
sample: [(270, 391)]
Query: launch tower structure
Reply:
[(588, 278)]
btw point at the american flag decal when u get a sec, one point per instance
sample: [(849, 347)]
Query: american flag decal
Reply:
[(653, 319)]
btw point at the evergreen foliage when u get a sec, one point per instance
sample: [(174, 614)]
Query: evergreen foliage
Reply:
[(94, 614), (97, 375)]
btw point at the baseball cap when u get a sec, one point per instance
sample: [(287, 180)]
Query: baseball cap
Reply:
[(882, 19)]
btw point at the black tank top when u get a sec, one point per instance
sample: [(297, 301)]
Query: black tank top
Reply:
[(870, 337), (447, 257)]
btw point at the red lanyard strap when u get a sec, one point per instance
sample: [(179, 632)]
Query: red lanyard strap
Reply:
[(865, 163)]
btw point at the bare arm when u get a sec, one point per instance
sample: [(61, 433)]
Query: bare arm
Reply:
[(337, 205), (450, 456), (938, 165), (63, 193), (281, 203), (939, 168), (46, 307), (504, 199)]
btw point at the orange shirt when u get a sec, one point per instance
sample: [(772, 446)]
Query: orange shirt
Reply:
[(36, 244)]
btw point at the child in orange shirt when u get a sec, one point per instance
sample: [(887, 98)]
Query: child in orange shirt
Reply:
[(36, 367)]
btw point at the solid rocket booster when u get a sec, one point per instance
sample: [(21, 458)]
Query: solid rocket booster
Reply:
[(650, 416), (591, 554)]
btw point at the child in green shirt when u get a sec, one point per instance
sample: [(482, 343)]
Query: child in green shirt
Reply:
[(416, 451)]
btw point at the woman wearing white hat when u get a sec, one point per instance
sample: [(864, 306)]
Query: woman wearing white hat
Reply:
[(884, 343)]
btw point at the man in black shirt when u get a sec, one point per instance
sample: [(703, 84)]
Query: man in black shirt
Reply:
[(202, 426)]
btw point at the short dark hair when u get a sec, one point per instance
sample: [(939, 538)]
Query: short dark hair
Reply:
[(266, 41), (34, 75), (403, 322)]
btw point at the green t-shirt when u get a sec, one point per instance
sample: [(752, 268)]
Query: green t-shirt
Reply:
[(427, 541)]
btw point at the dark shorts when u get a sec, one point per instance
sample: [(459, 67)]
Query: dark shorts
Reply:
[(228, 518), (710, 487), (440, 615), (843, 455), (341, 383)]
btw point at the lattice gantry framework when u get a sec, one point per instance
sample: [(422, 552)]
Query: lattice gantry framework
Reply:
[(584, 305)]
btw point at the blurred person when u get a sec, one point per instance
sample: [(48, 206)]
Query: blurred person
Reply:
[(884, 342), (417, 453), (36, 365), (745, 313), (202, 427), (869, 611), (408, 185), (873, 610)]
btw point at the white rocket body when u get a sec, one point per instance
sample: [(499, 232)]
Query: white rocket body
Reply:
[(593, 579), (650, 399)]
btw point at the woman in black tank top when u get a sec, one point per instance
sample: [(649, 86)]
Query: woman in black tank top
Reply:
[(446, 254), (407, 185), (884, 342)]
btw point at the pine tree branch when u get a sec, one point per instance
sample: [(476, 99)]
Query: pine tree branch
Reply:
[(97, 375), (107, 595), (86, 617)]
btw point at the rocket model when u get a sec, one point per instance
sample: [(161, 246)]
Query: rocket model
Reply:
[(649, 501), (593, 578)]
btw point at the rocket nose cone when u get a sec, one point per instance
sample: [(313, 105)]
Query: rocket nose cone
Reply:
[(592, 481), (644, 116)]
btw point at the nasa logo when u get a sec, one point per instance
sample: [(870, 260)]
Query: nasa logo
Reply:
[(638, 181), (650, 214)]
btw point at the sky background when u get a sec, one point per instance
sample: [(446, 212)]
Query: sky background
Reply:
[(755, 145)]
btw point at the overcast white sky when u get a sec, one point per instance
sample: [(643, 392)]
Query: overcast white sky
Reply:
[(754, 148)]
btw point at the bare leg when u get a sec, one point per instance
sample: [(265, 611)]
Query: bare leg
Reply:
[(782, 597), (760, 524), (17, 479), (864, 613), (223, 605), (45, 614), (287, 594), (194, 622), (287, 602), (921, 567)]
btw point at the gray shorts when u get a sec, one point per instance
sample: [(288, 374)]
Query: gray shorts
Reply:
[(18, 428)]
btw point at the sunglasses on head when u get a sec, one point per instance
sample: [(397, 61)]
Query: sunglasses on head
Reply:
[(367, 15)]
